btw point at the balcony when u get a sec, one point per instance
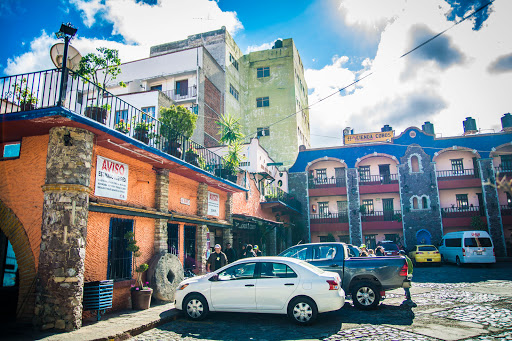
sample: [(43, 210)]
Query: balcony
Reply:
[(329, 218), (462, 216), (279, 200), (371, 184), (182, 94), (504, 169), (327, 186), (506, 214), (46, 101), (459, 178), (382, 220)]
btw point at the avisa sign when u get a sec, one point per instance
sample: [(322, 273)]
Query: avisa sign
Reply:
[(111, 179)]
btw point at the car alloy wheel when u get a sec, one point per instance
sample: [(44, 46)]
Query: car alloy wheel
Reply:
[(196, 307), (365, 295), (303, 310)]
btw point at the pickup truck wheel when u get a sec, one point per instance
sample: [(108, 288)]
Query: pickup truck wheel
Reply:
[(365, 295)]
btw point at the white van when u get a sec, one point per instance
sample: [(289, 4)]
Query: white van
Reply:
[(467, 247)]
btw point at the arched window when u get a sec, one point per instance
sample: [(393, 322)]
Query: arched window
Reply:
[(424, 202), (415, 164), (415, 203)]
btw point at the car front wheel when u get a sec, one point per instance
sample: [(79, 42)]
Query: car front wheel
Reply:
[(365, 295), (303, 310), (458, 262), (195, 307)]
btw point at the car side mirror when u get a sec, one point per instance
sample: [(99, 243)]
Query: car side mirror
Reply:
[(214, 278)]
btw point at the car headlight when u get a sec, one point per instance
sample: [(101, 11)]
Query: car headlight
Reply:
[(183, 286)]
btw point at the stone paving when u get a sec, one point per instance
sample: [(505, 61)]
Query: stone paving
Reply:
[(447, 297), (499, 336), (482, 314), (373, 333)]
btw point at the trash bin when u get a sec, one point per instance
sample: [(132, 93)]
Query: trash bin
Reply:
[(98, 296)]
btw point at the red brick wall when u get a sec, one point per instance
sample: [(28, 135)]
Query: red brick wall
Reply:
[(212, 110)]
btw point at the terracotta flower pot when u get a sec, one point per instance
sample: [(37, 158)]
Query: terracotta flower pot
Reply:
[(141, 299)]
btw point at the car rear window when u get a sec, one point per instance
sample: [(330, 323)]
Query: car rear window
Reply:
[(312, 267), (427, 248), (389, 247), (477, 242)]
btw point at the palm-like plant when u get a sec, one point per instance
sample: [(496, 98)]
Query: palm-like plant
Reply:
[(231, 134)]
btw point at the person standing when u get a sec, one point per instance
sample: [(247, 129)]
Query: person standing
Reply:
[(230, 253), (249, 252), (257, 251), (408, 300), (216, 260), (244, 250)]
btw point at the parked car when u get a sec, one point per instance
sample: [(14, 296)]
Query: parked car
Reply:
[(467, 247), (425, 254), (365, 278), (274, 285), (390, 247)]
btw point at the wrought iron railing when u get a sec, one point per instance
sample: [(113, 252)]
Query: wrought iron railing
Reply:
[(383, 179), (462, 211), (181, 94), (395, 215), (456, 173), (329, 218), (326, 182), (503, 169), (39, 90), (277, 194)]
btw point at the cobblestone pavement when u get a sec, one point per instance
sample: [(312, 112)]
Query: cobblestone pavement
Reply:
[(469, 303)]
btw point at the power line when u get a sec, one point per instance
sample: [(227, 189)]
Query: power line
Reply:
[(371, 73)]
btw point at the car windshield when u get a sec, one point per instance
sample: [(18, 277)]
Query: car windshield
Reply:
[(427, 248), (477, 242), (295, 252), (390, 247), (312, 267)]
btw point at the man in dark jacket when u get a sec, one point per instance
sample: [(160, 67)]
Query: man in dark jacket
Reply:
[(216, 260), (230, 253)]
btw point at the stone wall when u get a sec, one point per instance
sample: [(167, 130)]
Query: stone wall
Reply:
[(162, 205), (354, 215), (64, 229), (298, 187)]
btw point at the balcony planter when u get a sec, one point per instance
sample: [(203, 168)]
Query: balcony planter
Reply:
[(98, 114), (191, 158), (141, 299), (142, 131), (173, 148), (27, 106)]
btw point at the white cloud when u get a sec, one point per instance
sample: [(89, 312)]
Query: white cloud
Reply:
[(254, 48), (414, 89), (370, 15), (89, 10), (38, 58)]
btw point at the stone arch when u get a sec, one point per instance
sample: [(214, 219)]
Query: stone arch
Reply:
[(12, 227), (392, 157), (325, 158), (450, 149)]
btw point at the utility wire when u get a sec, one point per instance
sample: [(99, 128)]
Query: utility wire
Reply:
[(371, 73)]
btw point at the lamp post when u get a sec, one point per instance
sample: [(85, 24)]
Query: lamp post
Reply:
[(67, 31)]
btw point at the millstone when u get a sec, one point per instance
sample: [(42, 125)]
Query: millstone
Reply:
[(165, 273)]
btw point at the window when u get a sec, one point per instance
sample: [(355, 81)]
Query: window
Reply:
[(262, 102), (11, 150), (150, 111), (477, 242), (415, 203), (241, 271), (276, 270), (263, 132), (263, 72), (364, 173), (299, 252), (321, 174), (342, 207), (233, 91), (394, 237), (233, 61), (424, 203), (156, 87), (324, 252), (368, 205), (457, 166), (323, 208), (121, 115), (181, 88), (453, 242), (415, 164), (8, 263), (462, 201), (506, 162), (119, 259), (173, 239)]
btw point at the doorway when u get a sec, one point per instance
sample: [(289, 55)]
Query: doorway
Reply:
[(190, 247), (423, 237), (385, 174), (387, 207), (9, 280), (173, 231)]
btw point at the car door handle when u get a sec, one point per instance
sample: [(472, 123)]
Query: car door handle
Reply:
[(289, 284), (334, 265), (249, 285)]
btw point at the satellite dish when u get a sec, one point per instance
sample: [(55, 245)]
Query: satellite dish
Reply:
[(57, 55)]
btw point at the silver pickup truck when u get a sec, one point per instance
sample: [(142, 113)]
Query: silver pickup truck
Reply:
[(365, 278)]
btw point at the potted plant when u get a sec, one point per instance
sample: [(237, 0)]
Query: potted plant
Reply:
[(231, 134), (141, 129), (177, 123), (97, 112), (191, 156), (140, 292), (26, 100), (122, 126)]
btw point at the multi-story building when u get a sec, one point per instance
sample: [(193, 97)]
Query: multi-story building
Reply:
[(209, 74), (412, 188)]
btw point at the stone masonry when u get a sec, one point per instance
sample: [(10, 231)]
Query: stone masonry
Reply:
[(201, 230), (298, 187), (162, 205), (64, 229), (354, 215), (491, 200), (419, 185)]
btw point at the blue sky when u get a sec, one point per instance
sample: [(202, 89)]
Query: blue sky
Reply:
[(465, 72)]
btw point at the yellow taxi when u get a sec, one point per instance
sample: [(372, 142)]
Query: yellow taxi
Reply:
[(425, 254)]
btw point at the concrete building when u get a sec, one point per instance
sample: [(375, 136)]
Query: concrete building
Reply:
[(412, 188), (209, 74)]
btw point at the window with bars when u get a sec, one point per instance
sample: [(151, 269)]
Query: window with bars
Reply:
[(173, 239), (233, 61), (457, 166), (364, 173), (323, 209), (342, 207), (262, 72), (321, 174), (368, 205), (462, 200), (233, 91), (119, 259), (262, 102)]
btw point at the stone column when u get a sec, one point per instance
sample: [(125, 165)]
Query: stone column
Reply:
[(227, 237), (202, 200), (492, 206), (162, 205), (64, 229), (271, 242), (201, 259), (229, 208), (354, 216)]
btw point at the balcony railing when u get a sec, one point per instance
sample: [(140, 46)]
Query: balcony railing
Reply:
[(378, 179), (329, 218), (39, 90), (181, 94), (506, 210), (454, 173), (382, 216), (277, 194), (463, 211), (326, 182), (504, 169)]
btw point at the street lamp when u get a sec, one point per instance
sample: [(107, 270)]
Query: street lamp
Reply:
[(67, 31)]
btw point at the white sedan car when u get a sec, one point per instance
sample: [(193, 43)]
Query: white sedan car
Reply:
[(274, 285)]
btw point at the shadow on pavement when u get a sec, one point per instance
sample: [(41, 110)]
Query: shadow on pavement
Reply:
[(468, 273)]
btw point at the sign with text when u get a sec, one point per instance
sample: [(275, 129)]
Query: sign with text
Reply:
[(185, 201), (384, 136), (244, 225), (213, 204), (111, 179)]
